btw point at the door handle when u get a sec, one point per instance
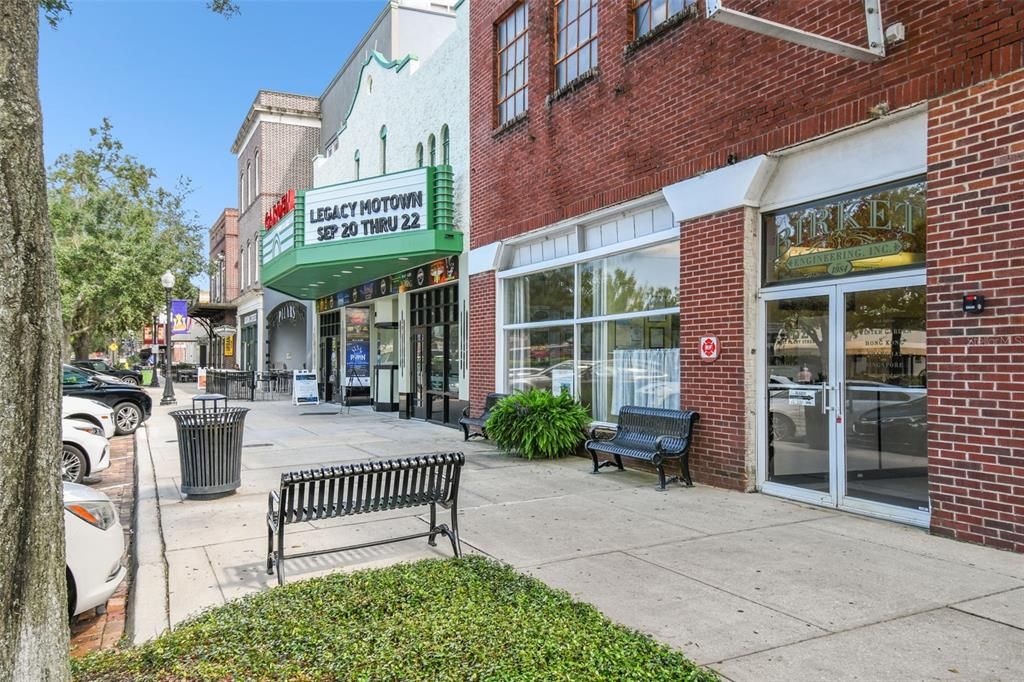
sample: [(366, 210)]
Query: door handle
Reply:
[(825, 403), (840, 400)]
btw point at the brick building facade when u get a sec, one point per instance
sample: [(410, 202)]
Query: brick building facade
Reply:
[(740, 136), (275, 147)]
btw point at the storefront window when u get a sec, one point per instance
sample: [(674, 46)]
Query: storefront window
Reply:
[(540, 297), (629, 362), (869, 230), (540, 358), (631, 359), (647, 279)]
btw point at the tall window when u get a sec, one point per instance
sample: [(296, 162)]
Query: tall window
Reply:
[(383, 150), (513, 64), (575, 39), (444, 144), (356, 159), (254, 271), (432, 146), (256, 174), (241, 192), (243, 258), (248, 181), (649, 13), (605, 329), (419, 155)]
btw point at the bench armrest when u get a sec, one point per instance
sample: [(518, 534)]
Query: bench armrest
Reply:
[(465, 411), (593, 433), (659, 445), (273, 502)]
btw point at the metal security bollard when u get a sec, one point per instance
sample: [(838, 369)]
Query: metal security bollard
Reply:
[(210, 450)]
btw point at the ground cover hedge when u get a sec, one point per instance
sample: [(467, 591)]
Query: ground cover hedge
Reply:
[(454, 619)]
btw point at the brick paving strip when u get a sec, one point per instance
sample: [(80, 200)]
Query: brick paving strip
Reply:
[(90, 632)]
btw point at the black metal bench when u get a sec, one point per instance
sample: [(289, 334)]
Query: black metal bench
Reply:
[(480, 422), (363, 488), (649, 434)]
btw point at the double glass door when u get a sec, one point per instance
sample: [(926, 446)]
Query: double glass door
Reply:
[(435, 371), (844, 413)]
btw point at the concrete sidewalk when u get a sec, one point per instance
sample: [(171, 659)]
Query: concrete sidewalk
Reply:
[(752, 586)]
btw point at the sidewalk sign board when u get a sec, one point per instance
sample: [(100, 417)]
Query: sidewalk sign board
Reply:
[(304, 389)]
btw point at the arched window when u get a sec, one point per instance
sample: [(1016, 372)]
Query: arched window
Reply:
[(383, 150), (444, 144), (256, 173), (254, 270), (432, 148), (243, 259), (241, 192), (419, 155), (248, 182), (356, 158)]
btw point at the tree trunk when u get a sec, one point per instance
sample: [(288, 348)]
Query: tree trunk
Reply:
[(33, 599), (82, 346)]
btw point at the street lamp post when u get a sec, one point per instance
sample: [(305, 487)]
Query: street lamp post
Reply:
[(154, 382), (167, 280)]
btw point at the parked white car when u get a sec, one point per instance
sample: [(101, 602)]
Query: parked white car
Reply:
[(85, 451), (95, 544), (92, 411)]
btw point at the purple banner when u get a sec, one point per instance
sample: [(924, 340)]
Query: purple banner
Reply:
[(181, 322)]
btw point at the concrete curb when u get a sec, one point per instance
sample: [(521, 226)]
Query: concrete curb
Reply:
[(149, 616)]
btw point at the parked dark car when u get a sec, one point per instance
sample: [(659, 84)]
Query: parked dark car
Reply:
[(901, 427), (128, 376), (131, 404)]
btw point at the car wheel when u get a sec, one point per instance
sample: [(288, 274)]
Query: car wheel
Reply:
[(72, 464), (127, 417), (783, 427), (130, 380)]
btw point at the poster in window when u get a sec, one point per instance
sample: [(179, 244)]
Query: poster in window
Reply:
[(657, 337)]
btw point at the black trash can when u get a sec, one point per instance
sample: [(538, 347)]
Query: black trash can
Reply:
[(210, 450)]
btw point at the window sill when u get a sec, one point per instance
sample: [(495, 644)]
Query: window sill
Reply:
[(573, 85), (660, 30), (510, 124)]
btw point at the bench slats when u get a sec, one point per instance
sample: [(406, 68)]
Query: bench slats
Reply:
[(649, 434), (330, 492)]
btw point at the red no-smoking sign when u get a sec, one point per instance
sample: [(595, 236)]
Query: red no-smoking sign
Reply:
[(708, 348)]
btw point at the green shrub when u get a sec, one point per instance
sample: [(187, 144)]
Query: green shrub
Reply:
[(537, 424), (452, 619)]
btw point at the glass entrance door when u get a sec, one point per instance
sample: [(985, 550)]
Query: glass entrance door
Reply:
[(844, 410)]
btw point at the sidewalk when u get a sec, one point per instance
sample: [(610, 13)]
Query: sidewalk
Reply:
[(755, 587)]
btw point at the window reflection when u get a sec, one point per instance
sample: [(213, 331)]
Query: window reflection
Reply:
[(540, 296), (631, 282)]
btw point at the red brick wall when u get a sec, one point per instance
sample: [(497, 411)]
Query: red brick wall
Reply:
[(711, 263), (703, 91), (481, 338), (976, 362)]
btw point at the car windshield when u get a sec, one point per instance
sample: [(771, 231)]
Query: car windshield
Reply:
[(75, 375)]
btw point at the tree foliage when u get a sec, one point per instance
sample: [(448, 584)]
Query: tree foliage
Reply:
[(116, 232)]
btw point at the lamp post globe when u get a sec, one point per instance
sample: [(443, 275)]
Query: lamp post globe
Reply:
[(167, 281)]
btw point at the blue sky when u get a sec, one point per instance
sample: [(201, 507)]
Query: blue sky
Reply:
[(176, 80)]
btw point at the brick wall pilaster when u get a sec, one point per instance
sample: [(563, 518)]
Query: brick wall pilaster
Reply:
[(976, 362), (482, 342), (712, 292)]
